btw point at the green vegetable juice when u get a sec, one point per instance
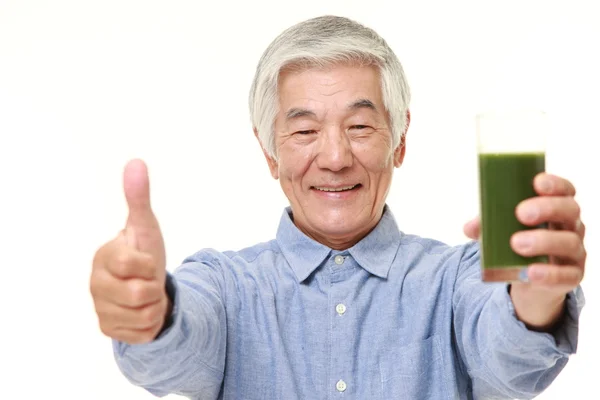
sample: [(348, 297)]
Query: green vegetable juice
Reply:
[(506, 179)]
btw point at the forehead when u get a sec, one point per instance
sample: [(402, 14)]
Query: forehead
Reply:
[(335, 86)]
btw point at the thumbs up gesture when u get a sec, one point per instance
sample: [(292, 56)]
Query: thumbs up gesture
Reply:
[(127, 282)]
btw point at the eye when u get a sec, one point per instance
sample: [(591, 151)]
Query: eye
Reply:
[(305, 132), (359, 127)]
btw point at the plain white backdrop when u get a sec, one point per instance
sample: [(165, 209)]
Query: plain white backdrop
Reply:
[(85, 86)]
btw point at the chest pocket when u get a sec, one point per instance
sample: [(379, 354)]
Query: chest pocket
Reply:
[(415, 371)]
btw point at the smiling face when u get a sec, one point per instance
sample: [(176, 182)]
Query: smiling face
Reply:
[(335, 157)]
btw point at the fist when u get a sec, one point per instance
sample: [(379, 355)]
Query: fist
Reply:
[(127, 282)]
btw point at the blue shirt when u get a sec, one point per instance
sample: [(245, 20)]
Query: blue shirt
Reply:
[(396, 316)]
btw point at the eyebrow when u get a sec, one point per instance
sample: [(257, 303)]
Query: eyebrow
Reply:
[(362, 103), (294, 113)]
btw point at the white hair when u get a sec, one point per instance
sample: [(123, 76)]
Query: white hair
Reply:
[(318, 43)]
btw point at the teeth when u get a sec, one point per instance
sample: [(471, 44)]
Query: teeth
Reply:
[(326, 189)]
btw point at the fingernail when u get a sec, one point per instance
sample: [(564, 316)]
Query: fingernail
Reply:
[(530, 213), (523, 276), (537, 273), (523, 241), (546, 185)]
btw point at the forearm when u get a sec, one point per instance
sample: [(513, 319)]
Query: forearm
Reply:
[(502, 355), (538, 310), (188, 356)]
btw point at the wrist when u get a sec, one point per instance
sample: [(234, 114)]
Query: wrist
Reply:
[(170, 294), (539, 310)]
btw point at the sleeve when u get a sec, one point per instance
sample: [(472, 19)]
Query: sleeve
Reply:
[(188, 356), (503, 358)]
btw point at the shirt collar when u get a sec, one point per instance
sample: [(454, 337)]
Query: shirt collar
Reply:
[(375, 252)]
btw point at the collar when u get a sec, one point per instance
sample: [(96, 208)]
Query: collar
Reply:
[(375, 252)]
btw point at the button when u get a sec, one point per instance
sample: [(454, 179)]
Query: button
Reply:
[(340, 308), (340, 385), (339, 260)]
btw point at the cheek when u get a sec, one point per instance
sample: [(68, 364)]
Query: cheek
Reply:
[(385, 163), (295, 163), (375, 160)]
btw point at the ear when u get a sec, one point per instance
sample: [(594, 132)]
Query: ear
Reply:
[(273, 165), (400, 151)]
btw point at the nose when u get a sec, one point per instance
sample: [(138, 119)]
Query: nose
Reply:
[(335, 150)]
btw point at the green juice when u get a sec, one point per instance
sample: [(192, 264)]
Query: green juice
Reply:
[(505, 179)]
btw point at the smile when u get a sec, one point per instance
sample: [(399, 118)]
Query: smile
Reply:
[(335, 189)]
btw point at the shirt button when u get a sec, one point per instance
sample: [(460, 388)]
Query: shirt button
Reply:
[(340, 385), (339, 260), (340, 308)]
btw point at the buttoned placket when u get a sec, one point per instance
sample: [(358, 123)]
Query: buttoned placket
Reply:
[(337, 312)]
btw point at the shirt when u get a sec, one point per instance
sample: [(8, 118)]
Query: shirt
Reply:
[(396, 316)]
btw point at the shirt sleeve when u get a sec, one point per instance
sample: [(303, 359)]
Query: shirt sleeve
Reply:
[(503, 358), (188, 357)]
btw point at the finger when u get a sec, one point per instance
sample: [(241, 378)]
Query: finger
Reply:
[(124, 262), (142, 228), (472, 228), (127, 318), (552, 185), (555, 276), (104, 252), (580, 229), (136, 185), (127, 263), (563, 210), (131, 293), (563, 244)]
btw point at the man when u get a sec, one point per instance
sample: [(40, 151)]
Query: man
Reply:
[(341, 304)]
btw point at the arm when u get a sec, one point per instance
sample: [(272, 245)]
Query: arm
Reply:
[(502, 356), (528, 329), (188, 357), (127, 284), (539, 311), (539, 301)]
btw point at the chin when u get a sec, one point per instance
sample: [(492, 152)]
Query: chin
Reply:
[(338, 225)]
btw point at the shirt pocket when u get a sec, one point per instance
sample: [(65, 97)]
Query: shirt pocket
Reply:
[(415, 371)]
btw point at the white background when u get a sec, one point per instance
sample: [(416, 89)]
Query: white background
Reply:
[(84, 86)]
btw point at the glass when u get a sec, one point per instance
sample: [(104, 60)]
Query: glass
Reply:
[(511, 147)]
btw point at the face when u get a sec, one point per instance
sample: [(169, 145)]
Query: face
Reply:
[(334, 146)]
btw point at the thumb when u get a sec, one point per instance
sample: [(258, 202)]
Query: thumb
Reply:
[(142, 229), (137, 193), (472, 228)]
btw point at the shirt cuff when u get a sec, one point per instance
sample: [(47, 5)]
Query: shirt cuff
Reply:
[(564, 337), (169, 330)]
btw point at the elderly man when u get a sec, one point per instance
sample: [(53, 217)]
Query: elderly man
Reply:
[(341, 304)]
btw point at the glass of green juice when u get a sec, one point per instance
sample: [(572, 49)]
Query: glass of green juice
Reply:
[(511, 148)]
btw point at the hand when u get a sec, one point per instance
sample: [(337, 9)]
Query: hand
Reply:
[(547, 284), (128, 274)]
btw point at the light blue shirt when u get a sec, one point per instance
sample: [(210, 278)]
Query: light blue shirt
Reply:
[(394, 317)]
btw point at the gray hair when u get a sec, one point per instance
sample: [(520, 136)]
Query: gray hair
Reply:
[(321, 42)]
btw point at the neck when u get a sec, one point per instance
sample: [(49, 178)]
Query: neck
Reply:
[(340, 241)]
